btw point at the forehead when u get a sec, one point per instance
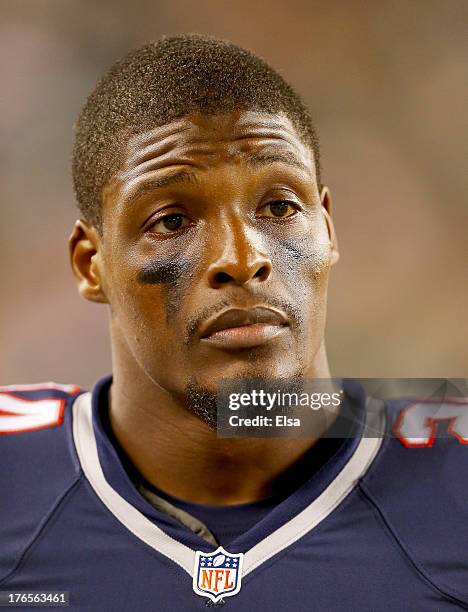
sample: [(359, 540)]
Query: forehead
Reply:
[(208, 140)]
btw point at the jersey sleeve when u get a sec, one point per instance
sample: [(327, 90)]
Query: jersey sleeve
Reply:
[(38, 464), (419, 487)]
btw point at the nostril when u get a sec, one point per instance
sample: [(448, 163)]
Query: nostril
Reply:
[(222, 277), (262, 272)]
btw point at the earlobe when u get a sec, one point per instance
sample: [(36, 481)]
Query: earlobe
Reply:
[(85, 258), (325, 199)]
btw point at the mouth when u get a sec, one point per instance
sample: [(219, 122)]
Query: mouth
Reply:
[(238, 328)]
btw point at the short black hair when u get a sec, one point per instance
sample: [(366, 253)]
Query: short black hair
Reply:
[(165, 80)]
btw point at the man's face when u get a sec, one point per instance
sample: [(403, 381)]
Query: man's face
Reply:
[(206, 215)]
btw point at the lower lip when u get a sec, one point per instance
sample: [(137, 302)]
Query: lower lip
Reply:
[(245, 336)]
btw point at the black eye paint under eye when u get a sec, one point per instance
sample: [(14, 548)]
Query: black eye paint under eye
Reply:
[(293, 248), (172, 272), (163, 271)]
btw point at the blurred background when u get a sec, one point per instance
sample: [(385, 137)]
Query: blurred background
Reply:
[(387, 85)]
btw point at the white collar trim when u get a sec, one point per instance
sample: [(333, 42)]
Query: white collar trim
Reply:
[(281, 538)]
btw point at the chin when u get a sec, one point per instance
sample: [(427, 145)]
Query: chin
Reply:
[(260, 370)]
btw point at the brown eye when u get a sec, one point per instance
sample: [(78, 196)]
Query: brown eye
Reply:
[(170, 223), (279, 209)]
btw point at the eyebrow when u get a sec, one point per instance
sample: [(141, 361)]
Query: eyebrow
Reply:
[(172, 178), (265, 159), (186, 176)]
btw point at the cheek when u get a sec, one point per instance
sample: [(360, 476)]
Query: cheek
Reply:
[(302, 265), (304, 260), (148, 293), (150, 284)]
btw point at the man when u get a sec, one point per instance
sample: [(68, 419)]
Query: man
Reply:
[(206, 229)]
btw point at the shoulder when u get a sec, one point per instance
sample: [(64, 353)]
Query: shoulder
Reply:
[(424, 448), (417, 484), (38, 461), (35, 423)]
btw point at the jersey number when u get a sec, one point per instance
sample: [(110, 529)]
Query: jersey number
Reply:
[(19, 414), (417, 424)]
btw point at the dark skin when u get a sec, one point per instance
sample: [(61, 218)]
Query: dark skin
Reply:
[(206, 213)]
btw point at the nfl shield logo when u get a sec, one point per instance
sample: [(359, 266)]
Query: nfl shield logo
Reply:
[(217, 574)]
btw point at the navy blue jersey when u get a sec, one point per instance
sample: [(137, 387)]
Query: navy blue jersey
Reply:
[(382, 525)]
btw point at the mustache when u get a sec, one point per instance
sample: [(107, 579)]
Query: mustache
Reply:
[(193, 323)]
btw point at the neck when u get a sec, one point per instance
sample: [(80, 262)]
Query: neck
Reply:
[(178, 453)]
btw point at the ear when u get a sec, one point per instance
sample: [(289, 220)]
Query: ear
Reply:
[(85, 248), (325, 199)]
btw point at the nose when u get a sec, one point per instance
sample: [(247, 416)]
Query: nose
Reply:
[(241, 260)]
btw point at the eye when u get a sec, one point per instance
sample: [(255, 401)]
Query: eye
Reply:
[(279, 209), (169, 223)]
